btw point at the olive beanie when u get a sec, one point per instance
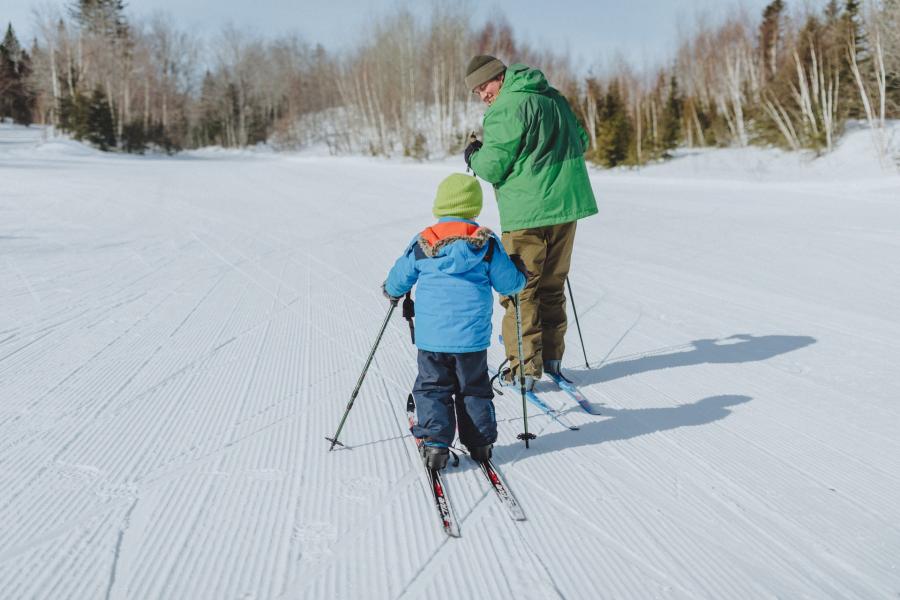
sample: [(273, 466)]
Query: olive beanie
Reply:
[(458, 196), (481, 69)]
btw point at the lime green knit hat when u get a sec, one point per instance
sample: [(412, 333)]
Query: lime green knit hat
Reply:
[(458, 196)]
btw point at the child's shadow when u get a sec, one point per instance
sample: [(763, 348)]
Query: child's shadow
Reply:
[(626, 424), (734, 349)]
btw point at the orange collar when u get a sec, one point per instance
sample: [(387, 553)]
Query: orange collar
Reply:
[(448, 229)]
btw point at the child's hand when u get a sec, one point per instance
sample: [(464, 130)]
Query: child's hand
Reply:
[(394, 299)]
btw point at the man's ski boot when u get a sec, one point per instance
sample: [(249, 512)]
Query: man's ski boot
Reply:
[(553, 367), (507, 380), (435, 457), (480, 453)]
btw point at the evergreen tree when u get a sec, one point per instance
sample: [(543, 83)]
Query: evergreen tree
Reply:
[(16, 97), (101, 130), (101, 17), (890, 24), (850, 29), (73, 114), (832, 12), (134, 137), (770, 36), (614, 130), (853, 18), (671, 117), (210, 128)]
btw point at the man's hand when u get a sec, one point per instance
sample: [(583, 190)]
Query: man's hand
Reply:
[(520, 265), (393, 299), (471, 149)]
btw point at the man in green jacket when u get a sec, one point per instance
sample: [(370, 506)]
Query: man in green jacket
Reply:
[(533, 154)]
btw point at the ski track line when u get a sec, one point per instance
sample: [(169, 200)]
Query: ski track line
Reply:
[(620, 547), (97, 354), (164, 579), (56, 328), (664, 280), (194, 366), (233, 440), (78, 433), (772, 512), (579, 448), (145, 483), (788, 465), (199, 303), (891, 475), (11, 264), (117, 551), (670, 544), (565, 506), (84, 365)]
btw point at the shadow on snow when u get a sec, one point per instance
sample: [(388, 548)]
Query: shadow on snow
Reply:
[(626, 424), (738, 348)]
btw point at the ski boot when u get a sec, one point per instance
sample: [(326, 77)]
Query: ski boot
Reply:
[(507, 380), (480, 453), (435, 457), (553, 366)]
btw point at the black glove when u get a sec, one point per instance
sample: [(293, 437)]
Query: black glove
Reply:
[(394, 299), (520, 265), (470, 150)]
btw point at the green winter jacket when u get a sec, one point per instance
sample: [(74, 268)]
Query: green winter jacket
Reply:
[(533, 153)]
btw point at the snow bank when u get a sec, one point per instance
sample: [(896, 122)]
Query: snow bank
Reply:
[(853, 158)]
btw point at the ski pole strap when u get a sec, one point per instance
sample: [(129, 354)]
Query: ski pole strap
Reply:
[(489, 255), (409, 313)]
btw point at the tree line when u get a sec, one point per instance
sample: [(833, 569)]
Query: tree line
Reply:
[(788, 78)]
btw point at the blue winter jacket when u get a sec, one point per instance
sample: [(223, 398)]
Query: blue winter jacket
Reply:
[(454, 264)]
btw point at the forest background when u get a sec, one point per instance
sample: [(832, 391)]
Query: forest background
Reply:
[(792, 76)]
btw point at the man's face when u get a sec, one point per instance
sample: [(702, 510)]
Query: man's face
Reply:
[(488, 91)]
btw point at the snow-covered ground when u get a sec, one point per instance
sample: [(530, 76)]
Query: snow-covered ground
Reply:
[(178, 336)]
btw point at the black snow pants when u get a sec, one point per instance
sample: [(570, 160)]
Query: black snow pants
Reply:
[(454, 388)]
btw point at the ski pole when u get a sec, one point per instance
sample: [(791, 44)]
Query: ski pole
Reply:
[(577, 324), (522, 436), (334, 440)]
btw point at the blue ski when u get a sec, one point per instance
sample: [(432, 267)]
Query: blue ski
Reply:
[(545, 408), (572, 390)]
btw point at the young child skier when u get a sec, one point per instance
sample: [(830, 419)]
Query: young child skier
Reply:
[(454, 264)]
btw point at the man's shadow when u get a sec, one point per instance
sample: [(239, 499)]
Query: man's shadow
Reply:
[(625, 424), (738, 348)]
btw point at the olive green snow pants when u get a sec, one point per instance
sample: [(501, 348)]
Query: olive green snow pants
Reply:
[(547, 253)]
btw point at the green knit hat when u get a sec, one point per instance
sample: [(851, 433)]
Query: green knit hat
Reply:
[(458, 196)]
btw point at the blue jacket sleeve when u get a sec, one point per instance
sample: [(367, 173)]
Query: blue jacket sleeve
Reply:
[(403, 275), (505, 277)]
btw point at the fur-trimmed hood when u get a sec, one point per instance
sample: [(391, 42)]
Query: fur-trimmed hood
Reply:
[(453, 246), (477, 240)]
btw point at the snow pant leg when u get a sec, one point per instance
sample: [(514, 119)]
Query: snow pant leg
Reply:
[(552, 290), (531, 246), (433, 392), (474, 400)]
